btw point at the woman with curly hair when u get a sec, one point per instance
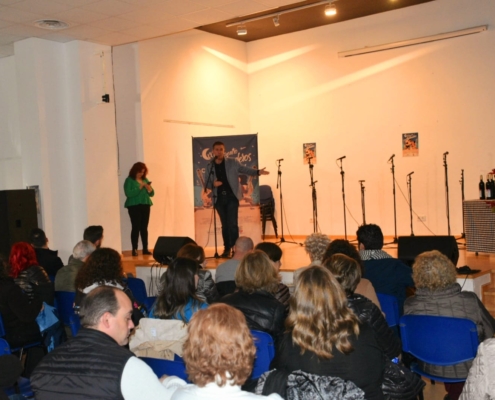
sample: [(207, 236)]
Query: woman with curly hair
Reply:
[(315, 246), (257, 282), (325, 338), (438, 293), (178, 299), (28, 274), (219, 354)]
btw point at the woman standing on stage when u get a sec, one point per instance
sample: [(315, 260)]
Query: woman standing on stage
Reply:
[(138, 191)]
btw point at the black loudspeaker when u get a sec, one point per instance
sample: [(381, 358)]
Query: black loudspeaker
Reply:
[(18, 217), (410, 246), (166, 247)]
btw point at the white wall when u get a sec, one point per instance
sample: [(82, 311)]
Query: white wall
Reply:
[(300, 91)]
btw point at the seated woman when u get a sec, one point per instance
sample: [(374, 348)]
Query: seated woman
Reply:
[(219, 354), (178, 299), (347, 272), (28, 274), (438, 293), (364, 286), (315, 246), (257, 281), (104, 268), (325, 337), (207, 290)]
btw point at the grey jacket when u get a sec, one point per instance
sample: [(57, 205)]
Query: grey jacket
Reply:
[(232, 168), (480, 384), (451, 302)]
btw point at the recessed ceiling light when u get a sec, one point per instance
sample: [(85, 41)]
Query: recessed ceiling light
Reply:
[(330, 9), (51, 24)]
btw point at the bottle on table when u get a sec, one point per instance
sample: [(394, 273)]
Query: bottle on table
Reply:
[(482, 188), (488, 188)]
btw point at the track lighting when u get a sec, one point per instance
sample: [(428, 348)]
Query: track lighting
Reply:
[(276, 20), (330, 9), (241, 30)]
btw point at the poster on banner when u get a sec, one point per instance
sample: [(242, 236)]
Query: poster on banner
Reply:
[(309, 153), (410, 144), (244, 148)]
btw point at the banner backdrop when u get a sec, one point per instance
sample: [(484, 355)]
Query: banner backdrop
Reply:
[(244, 148)]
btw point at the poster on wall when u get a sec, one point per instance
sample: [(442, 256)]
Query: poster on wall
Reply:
[(309, 153), (410, 144), (244, 148)]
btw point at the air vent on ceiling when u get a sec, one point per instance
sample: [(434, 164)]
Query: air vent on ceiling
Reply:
[(51, 24)]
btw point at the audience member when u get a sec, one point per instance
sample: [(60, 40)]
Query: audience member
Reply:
[(438, 293), (10, 371), (28, 274), (47, 258), (94, 234), (364, 286), (66, 277), (225, 273), (274, 253), (219, 354), (480, 383), (387, 274), (178, 299), (315, 246), (257, 281), (104, 268), (206, 291), (348, 273), (93, 364), (325, 337)]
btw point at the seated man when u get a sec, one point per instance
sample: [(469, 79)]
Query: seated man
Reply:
[(65, 278), (274, 253), (94, 234), (224, 276), (48, 259), (93, 364), (387, 274)]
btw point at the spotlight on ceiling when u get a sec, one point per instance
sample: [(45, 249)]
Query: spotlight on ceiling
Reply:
[(330, 9), (241, 30), (276, 20)]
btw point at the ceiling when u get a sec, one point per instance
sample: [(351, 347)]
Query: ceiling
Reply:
[(115, 22)]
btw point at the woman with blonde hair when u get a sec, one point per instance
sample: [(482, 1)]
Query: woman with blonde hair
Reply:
[(219, 354), (325, 338), (257, 282), (315, 245), (438, 293)]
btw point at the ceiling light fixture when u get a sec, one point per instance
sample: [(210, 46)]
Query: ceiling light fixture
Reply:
[(241, 30), (276, 20), (279, 13), (330, 9), (51, 24)]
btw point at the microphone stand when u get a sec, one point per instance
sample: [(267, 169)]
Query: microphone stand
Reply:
[(409, 185), (463, 235), (447, 190), (342, 174), (313, 196), (214, 201), (362, 201), (279, 186), (392, 168)]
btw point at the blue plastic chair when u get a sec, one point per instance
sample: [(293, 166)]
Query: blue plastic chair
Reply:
[(74, 324), (65, 305), (23, 384), (390, 306), (265, 351), (438, 341), (138, 289), (167, 367)]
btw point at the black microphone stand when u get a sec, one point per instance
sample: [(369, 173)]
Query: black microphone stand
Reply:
[(447, 190), (463, 235), (392, 168), (279, 186), (342, 174), (214, 200), (313, 196), (409, 186), (362, 201)]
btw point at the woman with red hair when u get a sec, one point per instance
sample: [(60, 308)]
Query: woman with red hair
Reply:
[(28, 274), (138, 190)]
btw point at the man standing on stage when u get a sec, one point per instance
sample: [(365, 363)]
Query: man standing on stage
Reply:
[(228, 191)]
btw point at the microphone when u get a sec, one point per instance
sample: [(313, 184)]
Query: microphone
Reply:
[(392, 156), (410, 173), (281, 159), (340, 159), (445, 153)]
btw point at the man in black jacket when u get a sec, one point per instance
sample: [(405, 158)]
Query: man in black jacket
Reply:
[(48, 259)]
